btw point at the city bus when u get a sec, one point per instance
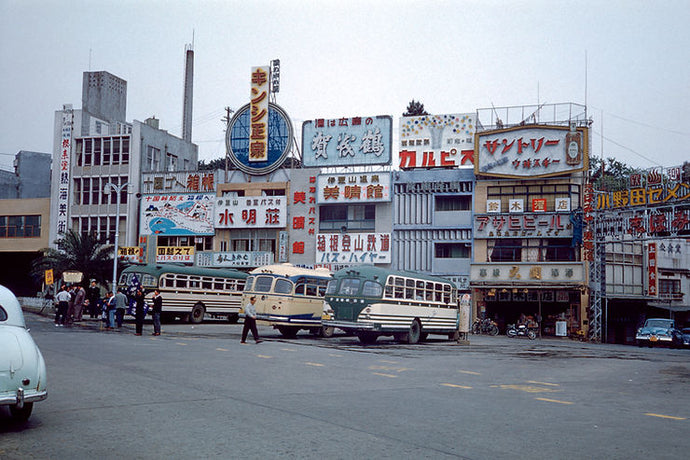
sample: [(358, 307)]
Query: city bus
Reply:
[(371, 301), (289, 298), (190, 292)]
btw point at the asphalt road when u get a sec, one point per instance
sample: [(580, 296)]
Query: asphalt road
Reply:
[(196, 392)]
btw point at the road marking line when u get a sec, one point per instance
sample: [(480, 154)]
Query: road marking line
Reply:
[(452, 385), (665, 416), (526, 388), (470, 372), (180, 343), (314, 364), (386, 375), (389, 362), (264, 356), (222, 349), (555, 401), (288, 349), (389, 368), (543, 383)]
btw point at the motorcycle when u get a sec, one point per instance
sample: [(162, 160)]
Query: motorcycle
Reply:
[(521, 330), (485, 326)]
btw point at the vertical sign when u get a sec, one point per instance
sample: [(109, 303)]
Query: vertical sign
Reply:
[(652, 270), (64, 171), (258, 137)]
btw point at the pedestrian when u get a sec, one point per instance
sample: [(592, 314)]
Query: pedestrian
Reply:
[(156, 312), (70, 306), (62, 299), (109, 311), (139, 312), (79, 298), (120, 306), (93, 294), (250, 321)]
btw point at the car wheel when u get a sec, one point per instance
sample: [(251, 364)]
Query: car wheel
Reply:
[(23, 414)]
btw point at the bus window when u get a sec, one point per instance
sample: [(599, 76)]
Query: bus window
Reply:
[(194, 282), (322, 291), (250, 282), (181, 282), (409, 289), (207, 283), (148, 280), (263, 283), (349, 286), (282, 287), (332, 287), (372, 289), (446, 294), (389, 291), (299, 289), (218, 285), (311, 290)]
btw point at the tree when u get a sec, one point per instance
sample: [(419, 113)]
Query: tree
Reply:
[(610, 175), (415, 108), (212, 165), (84, 253)]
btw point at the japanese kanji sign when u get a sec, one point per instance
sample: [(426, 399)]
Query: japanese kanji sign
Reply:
[(258, 135), (353, 188), (177, 214), (533, 151), (64, 172), (437, 141), (347, 141), (251, 212), (130, 253), (652, 270), (353, 248), (525, 273), (184, 254)]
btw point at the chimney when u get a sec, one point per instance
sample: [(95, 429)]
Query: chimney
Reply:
[(188, 90)]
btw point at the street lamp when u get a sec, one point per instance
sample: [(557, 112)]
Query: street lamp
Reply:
[(118, 191)]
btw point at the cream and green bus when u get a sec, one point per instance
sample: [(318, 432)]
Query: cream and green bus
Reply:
[(371, 301), (289, 298), (190, 292)]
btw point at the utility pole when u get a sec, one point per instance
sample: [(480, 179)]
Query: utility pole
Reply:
[(226, 121)]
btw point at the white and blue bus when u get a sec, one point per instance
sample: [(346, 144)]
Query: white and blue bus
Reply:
[(289, 298)]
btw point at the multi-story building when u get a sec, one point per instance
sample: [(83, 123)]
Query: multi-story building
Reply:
[(24, 218), (528, 200), (99, 159)]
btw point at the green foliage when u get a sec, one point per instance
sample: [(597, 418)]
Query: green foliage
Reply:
[(212, 165), (415, 108), (84, 253), (610, 175)]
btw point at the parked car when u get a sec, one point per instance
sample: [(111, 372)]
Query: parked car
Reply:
[(22, 368), (659, 331), (685, 334)]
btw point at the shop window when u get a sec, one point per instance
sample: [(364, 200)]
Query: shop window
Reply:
[(452, 251), (505, 250), (453, 203)]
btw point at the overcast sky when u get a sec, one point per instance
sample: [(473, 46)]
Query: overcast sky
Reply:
[(628, 60)]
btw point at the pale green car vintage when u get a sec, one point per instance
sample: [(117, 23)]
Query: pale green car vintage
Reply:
[(22, 368)]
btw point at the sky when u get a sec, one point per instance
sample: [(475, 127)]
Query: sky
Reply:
[(627, 61)]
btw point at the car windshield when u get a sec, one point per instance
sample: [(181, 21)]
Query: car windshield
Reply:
[(658, 323), (3, 314)]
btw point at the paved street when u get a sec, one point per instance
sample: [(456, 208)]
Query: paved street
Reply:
[(196, 392)]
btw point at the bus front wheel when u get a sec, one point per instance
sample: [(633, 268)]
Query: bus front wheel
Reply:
[(415, 332), (197, 314), (327, 331)]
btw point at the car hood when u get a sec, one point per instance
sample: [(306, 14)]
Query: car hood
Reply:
[(654, 330)]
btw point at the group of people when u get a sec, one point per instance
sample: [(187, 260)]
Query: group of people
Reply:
[(72, 300)]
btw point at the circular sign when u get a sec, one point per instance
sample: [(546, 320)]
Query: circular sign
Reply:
[(237, 140)]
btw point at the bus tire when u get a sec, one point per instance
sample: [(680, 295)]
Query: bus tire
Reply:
[(233, 318), (415, 332), (367, 338), (197, 314), (327, 331), (288, 332)]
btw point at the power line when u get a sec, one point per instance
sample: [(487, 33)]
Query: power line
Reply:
[(628, 149), (646, 125)]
